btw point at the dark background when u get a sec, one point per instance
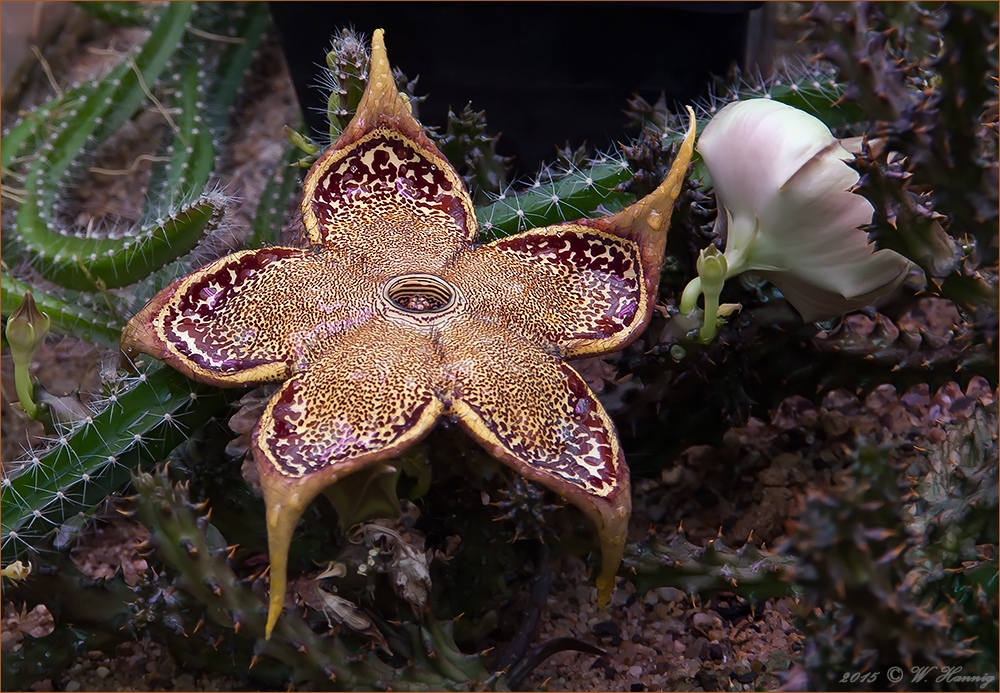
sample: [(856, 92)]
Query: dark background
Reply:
[(546, 73)]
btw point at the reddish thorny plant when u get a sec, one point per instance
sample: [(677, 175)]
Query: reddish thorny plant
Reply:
[(395, 316)]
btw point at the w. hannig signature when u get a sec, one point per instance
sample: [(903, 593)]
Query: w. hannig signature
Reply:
[(945, 674)]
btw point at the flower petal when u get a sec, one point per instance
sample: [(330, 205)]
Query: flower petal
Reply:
[(249, 317), (578, 289), (364, 401), (383, 197), (536, 414), (584, 288), (786, 206), (813, 302), (752, 148)]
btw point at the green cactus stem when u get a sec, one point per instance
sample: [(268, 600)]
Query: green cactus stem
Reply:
[(93, 459), (181, 208), (749, 571), (119, 13), (272, 208), (472, 150), (347, 75), (587, 190)]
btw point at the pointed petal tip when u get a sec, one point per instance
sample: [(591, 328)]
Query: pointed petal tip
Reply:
[(660, 202), (379, 72), (381, 98), (651, 214), (612, 520)]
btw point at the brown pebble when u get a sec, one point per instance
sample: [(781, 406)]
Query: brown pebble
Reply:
[(697, 648)]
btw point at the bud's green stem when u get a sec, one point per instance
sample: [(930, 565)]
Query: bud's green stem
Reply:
[(26, 328)]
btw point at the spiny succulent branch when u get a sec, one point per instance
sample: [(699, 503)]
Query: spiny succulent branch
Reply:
[(188, 71), (591, 189), (272, 209), (120, 13), (883, 557), (426, 657), (472, 150), (142, 419), (345, 78), (932, 176), (179, 64), (807, 87), (749, 571)]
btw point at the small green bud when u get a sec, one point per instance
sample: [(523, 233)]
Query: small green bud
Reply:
[(26, 328), (712, 268)]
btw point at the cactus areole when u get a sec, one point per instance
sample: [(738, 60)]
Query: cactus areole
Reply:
[(395, 316)]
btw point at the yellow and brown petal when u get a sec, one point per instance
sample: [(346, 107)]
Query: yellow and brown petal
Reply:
[(394, 317)]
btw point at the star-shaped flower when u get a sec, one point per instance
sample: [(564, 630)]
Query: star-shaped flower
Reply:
[(395, 316)]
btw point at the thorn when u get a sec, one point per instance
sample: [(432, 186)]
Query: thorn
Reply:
[(198, 625), (253, 662)]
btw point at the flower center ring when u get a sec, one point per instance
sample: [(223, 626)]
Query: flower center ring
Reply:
[(421, 298)]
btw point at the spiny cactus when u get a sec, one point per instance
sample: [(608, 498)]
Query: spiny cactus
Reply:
[(748, 571), (472, 150), (139, 419), (895, 563), (910, 346), (272, 209), (345, 78), (189, 71), (46, 152), (809, 88), (932, 178), (557, 195), (425, 657), (120, 13)]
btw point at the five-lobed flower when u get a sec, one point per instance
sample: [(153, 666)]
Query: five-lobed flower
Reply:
[(394, 316)]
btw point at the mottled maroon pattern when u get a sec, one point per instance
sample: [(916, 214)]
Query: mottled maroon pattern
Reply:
[(387, 169), (195, 319), (577, 289)]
